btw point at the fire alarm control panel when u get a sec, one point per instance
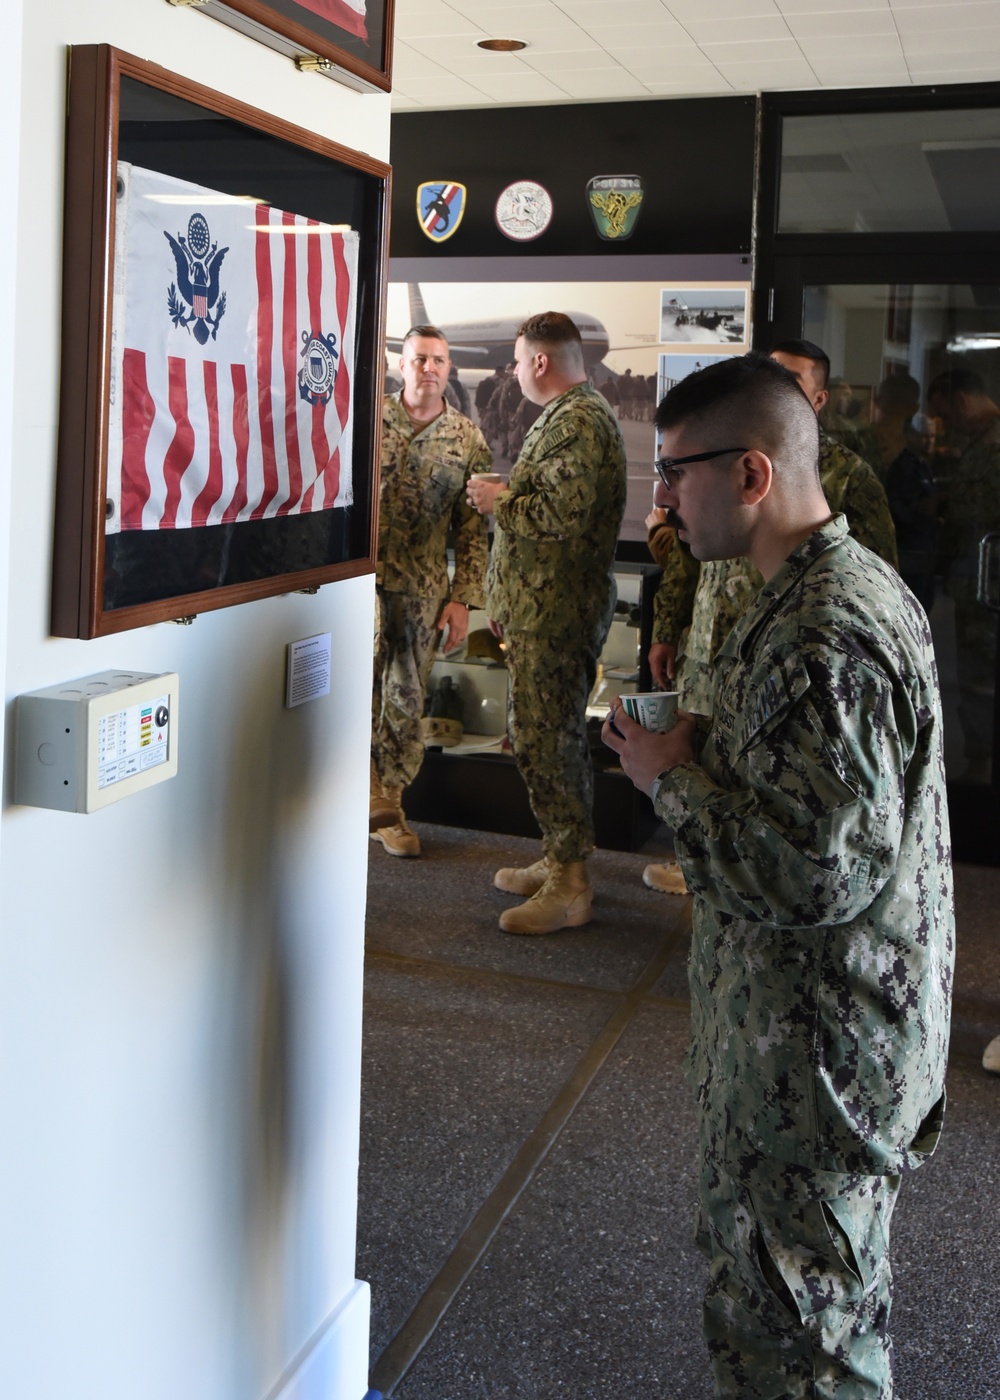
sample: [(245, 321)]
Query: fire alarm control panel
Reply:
[(85, 744)]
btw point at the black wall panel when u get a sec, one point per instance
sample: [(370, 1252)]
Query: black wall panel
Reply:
[(695, 156)]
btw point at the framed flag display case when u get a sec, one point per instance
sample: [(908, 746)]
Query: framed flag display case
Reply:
[(223, 331), (348, 40)]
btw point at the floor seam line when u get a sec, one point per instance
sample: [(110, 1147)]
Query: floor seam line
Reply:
[(402, 1352)]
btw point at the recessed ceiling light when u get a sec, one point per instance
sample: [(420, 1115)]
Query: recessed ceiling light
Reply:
[(502, 45)]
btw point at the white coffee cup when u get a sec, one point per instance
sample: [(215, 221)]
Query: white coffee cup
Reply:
[(494, 478), (653, 709)]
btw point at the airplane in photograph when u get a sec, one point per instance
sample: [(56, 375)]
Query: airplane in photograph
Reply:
[(489, 344)]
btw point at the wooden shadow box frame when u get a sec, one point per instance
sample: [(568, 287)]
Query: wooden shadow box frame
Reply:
[(123, 108), (313, 42)]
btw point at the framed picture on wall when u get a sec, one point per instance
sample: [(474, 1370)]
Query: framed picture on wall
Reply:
[(223, 329), (348, 40), (697, 314)]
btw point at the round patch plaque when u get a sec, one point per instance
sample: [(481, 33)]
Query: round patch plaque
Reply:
[(524, 210)]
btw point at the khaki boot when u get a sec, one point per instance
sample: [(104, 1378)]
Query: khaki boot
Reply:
[(525, 879), (665, 879), (385, 805), (398, 839), (991, 1056), (562, 902)]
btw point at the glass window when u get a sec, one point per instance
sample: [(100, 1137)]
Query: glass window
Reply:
[(915, 391), (899, 172)]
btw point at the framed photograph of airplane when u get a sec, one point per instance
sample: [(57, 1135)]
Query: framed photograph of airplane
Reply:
[(223, 318), (347, 40), (709, 317)]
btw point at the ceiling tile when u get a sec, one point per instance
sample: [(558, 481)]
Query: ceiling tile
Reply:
[(635, 35), (443, 20), (713, 31), (461, 56), (666, 64), (925, 64), (707, 87), (561, 41), (686, 10), (593, 87), (948, 17), (768, 51), (876, 46), (945, 74), (835, 70), (446, 91), (603, 11), (487, 13), (852, 23), (983, 43), (558, 63), (814, 7), (769, 75), (525, 87)]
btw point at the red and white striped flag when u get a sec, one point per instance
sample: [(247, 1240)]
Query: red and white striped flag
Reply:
[(232, 359), (348, 14)]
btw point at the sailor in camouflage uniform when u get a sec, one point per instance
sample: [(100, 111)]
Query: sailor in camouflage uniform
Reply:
[(550, 592), (429, 450), (810, 819), (708, 601)]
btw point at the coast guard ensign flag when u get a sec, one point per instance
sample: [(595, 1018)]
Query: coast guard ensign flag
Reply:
[(348, 14), (232, 361)]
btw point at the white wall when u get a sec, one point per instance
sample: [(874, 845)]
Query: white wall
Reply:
[(180, 974)]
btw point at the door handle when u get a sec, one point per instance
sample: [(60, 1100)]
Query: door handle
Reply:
[(988, 584)]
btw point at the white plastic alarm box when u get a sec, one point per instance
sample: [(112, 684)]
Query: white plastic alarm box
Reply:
[(90, 742)]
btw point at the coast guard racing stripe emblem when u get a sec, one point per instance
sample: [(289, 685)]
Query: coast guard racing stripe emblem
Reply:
[(440, 206)]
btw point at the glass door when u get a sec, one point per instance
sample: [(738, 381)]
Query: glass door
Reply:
[(915, 390)]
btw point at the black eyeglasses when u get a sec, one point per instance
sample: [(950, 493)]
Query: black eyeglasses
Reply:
[(667, 466)]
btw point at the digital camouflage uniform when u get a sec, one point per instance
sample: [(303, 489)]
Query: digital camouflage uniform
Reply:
[(421, 500), (813, 832), (972, 507), (709, 600), (551, 586)]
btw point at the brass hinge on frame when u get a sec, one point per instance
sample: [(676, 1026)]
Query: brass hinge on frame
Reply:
[(311, 62)]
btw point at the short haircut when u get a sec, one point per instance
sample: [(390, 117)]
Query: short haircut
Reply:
[(805, 350), (560, 338), (426, 333), (899, 393), (956, 381), (749, 401)]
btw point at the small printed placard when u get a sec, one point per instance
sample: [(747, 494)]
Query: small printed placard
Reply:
[(308, 670)]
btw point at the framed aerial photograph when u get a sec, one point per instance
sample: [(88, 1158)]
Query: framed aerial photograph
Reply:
[(352, 39), (223, 330)]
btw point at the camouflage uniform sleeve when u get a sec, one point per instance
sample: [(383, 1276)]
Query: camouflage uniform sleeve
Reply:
[(558, 499), (815, 834), (673, 605), (469, 533), (660, 541), (867, 509)]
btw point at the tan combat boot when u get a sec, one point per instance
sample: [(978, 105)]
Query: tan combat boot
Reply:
[(562, 902), (666, 878), (525, 879), (399, 839), (384, 804)]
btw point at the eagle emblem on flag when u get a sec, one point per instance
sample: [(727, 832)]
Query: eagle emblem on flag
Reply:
[(199, 262), (614, 202), (440, 206), (319, 354)]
